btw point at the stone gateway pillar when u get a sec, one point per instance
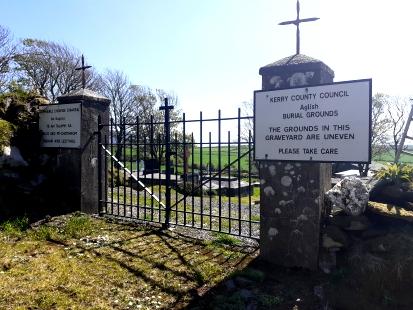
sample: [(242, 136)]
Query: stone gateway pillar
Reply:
[(77, 168), (292, 193)]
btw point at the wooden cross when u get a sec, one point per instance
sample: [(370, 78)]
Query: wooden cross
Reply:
[(297, 22), (83, 68)]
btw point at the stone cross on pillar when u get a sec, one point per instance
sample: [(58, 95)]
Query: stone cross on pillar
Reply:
[(292, 194), (83, 68)]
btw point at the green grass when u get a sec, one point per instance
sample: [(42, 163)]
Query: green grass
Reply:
[(227, 154), (78, 226), (15, 228), (228, 157), (251, 274), (389, 157), (45, 233), (51, 267), (179, 208), (159, 191), (224, 239)]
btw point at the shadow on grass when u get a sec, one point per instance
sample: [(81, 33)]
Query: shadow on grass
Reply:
[(179, 266)]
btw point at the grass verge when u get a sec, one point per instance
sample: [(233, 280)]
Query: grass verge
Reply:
[(80, 262)]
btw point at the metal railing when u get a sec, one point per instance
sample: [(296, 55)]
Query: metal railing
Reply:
[(181, 172)]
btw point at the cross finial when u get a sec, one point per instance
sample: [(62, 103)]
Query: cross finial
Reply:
[(297, 22), (166, 106), (83, 68)]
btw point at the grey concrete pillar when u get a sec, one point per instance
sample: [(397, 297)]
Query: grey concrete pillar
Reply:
[(78, 168), (292, 194)]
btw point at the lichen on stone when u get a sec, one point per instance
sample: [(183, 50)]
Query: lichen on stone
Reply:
[(350, 195), (286, 181), (269, 191)]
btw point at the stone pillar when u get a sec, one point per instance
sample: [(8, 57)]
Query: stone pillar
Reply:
[(292, 194), (78, 168)]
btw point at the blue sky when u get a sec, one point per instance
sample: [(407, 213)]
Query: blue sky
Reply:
[(209, 52)]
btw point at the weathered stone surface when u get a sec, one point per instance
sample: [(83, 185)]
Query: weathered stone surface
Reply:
[(12, 158), (350, 195), (7, 175), (246, 294), (292, 194), (243, 282), (373, 233), (290, 225), (230, 285), (319, 291), (334, 237), (328, 261), (346, 222), (296, 60), (329, 242), (358, 223), (388, 191), (78, 168), (390, 211)]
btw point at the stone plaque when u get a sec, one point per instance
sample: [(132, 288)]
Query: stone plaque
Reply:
[(60, 124)]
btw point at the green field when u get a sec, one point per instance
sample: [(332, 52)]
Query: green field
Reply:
[(228, 156), (389, 157), (210, 157)]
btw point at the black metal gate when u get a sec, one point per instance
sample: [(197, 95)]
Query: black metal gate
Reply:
[(193, 173)]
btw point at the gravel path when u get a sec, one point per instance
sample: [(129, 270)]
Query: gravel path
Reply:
[(234, 216)]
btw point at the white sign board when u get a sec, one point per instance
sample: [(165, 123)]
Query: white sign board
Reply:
[(60, 124), (325, 123)]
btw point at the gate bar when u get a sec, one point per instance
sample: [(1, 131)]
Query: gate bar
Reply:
[(167, 108), (133, 177)]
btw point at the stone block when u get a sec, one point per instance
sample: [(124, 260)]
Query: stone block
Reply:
[(292, 194)]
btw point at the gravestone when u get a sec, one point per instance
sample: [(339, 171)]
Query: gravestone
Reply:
[(77, 167), (152, 165), (292, 193)]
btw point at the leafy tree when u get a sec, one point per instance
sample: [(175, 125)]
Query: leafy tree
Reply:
[(19, 109), (7, 51), (50, 68), (6, 133)]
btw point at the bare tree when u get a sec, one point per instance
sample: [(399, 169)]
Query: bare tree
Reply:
[(247, 125), (7, 51), (380, 126), (151, 118), (116, 86), (398, 111)]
